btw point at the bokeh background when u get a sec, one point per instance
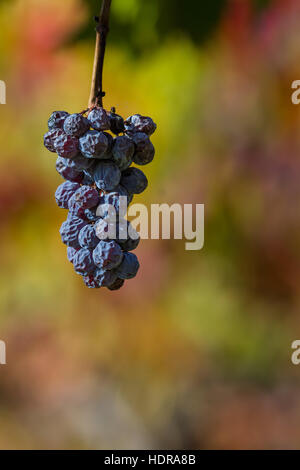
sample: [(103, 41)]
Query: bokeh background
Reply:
[(196, 351)]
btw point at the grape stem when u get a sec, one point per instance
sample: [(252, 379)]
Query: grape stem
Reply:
[(102, 29)]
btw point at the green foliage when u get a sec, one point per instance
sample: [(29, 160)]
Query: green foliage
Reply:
[(140, 24)]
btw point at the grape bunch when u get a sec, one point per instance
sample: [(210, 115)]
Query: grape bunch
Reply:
[(95, 152)]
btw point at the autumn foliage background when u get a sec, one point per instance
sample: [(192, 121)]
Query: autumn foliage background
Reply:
[(195, 352)]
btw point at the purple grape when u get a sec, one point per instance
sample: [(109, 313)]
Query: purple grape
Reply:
[(83, 262), (50, 138), (127, 236), (105, 278), (67, 172), (64, 193), (67, 146), (99, 119), (130, 244), (122, 151), (87, 237), (107, 254), (116, 123), (144, 152), (76, 125), (57, 119), (69, 231), (81, 163), (123, 233), (134, 180), (107, 175), (123, 192), (110, 205), (128, 267), (93, 144), (84, 198), (138, 123)]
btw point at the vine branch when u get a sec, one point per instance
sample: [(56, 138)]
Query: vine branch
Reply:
[(102, 29)]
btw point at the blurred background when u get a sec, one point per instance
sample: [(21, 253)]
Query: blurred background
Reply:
[(196, 351)]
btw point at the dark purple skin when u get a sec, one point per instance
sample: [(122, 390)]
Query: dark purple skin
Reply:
[(138, 123), (87, 237), (116, 285), (87, 180), (64, 193), (122, 151), (123, 192), (134, 180), (107, 175), (71, 253), (124, 234), (107, 255), (84, 198), (124, 230), (50, 139), (109, 205), (124, 239), (116, 123), (144, 152), (76, 125), (129, 245), (81, 163), (110, 142), (93, 144), (105, 278), (67, 172), (69, 231), (66, 146), (83, 262), (99, 119), (57, 119), (91, 282), (112, 199), (129, 266), (91, 214)]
